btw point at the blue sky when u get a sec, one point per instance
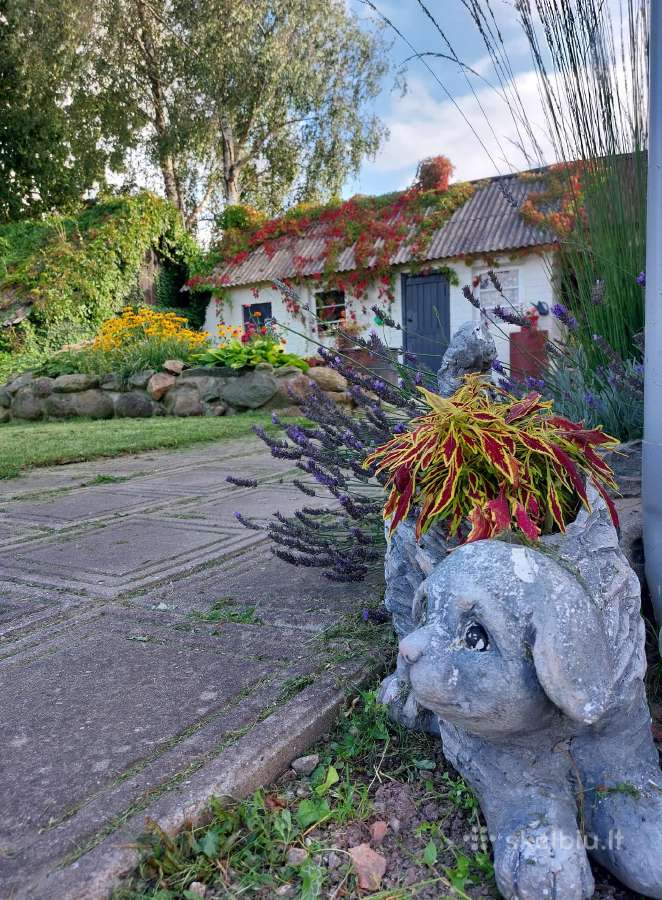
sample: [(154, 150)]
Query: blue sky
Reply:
[(424, 122)]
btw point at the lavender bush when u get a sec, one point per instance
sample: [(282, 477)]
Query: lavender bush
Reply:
[(340, 529)]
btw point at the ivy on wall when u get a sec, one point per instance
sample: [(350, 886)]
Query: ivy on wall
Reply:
[(63, 276)]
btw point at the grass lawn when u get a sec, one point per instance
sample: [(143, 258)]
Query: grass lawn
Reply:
[(30, 444)]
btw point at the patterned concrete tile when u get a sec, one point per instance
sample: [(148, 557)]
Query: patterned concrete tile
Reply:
[(77, 506), (120, 557)]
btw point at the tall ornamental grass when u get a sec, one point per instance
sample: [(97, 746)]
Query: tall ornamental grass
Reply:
[(591, 62)]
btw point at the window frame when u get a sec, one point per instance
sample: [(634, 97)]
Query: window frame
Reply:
[(331, 325), (480, 272)]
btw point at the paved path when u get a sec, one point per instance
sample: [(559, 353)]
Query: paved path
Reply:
[(151, 651)]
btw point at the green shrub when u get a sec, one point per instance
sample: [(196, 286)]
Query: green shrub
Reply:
[(74, 272), (243, 349)]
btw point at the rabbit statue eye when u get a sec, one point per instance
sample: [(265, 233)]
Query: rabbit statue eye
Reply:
[(475, 637)]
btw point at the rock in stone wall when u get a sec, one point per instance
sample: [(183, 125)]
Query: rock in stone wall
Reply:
[(175, 391)]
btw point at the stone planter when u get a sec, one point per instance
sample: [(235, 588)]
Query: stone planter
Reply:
[(530, 664)]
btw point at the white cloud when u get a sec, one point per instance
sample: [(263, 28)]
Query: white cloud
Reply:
[(421, 125)]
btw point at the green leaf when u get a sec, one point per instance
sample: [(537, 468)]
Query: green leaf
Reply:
[(210, 844), (427, 764), (332, 778), (430, 854), (312, 811), (312, 879), (283, 825)]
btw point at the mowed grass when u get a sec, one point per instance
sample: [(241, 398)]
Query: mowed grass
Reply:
[(29, 445)]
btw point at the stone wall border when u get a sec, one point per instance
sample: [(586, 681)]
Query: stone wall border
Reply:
[(173, 391)]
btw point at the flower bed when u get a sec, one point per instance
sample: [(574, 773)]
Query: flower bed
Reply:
[(257, 343)]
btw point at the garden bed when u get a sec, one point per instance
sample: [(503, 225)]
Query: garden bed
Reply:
[(375, 786)]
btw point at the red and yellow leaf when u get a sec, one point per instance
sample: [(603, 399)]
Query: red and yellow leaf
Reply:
[(529, 528), (500, 512), (527, 405)]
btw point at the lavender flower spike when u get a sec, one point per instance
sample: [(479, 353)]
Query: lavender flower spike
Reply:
[(242, 482), (641, 279), (470, 296), (510, 317), (246, 522), (563, 315)]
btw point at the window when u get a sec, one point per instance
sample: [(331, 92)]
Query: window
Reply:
[(488, 294), (257, 313), (330, 309)]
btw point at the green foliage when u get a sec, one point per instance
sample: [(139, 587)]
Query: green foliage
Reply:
[(592, 73), (282, 112), (221, 611), (239, 216), (124, 361), (236, 355), (597, 396), (57, 135), (72, 272)]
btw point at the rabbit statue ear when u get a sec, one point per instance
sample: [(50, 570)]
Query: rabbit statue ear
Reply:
[(571, 650), (407, 565), (596, 618)]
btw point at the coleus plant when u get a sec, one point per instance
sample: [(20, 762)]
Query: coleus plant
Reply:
[(494, 461)]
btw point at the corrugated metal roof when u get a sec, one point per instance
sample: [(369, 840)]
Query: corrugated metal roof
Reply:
[(489, 222)]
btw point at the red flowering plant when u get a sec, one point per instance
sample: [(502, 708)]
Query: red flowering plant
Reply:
[(484, 462), (375, 229), (560, 206)]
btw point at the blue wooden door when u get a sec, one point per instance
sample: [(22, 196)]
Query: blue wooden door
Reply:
[(426, 317)]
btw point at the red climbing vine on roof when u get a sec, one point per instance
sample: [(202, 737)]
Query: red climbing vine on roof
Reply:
[(377, 228)]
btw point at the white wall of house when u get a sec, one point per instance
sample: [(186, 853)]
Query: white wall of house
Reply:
[(530, 275)]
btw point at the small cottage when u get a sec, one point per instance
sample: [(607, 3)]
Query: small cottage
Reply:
[(411, 253)]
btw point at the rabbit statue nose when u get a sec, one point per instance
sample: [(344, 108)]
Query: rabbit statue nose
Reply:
[(413, 646)]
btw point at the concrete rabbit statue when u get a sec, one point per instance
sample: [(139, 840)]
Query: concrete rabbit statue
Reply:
[(531, 661)]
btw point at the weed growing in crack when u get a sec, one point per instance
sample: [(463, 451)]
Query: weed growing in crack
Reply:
[(294, 838)]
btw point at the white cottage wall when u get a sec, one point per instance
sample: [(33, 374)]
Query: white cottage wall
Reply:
[(534, 277), (535, 284)]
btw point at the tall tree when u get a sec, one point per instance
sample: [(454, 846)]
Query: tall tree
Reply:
[(54, 141), (250, 101)]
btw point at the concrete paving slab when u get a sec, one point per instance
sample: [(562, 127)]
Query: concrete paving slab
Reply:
[(86, 504), (147, 657), (123, 556), (12, 533), (258, 503)]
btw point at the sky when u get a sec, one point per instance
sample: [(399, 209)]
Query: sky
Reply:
[(424, 121)]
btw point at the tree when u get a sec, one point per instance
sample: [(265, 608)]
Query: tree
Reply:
[(253, 101), (52, 147)]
